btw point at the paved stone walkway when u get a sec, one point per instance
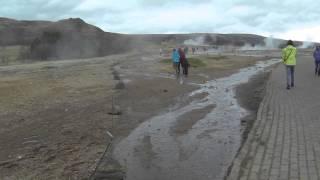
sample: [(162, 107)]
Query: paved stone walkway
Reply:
[(284, 143)]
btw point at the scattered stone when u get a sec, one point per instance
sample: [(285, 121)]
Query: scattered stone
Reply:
[(50, 158), (120, 85), (115, 113), (114, 175), (49, 67), (115, 75), (37, 149), (31, 142), (7, 162), (19, 157)]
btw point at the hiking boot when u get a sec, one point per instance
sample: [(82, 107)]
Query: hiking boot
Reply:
[(288, 87), (292, 85)]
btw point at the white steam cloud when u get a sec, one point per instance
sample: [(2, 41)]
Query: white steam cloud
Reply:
[(307, 44), (199, 41)]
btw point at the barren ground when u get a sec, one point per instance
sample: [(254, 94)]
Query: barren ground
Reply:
[(54, 115)]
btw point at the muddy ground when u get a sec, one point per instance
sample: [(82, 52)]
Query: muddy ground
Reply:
[(54, 116), (250, 96), (149, 95)]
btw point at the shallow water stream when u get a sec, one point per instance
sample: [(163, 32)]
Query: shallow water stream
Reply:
[(194, 141)]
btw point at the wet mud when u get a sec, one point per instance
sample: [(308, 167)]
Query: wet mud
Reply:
[(197, 140)]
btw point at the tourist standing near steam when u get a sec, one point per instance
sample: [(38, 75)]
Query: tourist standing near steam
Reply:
[(316, 55), (289, 59), (186, 50), (183, 61), (176, 60)]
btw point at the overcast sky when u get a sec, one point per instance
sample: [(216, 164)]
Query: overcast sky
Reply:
[(288, 19)]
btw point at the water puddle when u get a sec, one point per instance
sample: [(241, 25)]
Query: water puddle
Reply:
[(196, 141)]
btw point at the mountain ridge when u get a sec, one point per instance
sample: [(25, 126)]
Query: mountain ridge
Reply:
[(74, 38)]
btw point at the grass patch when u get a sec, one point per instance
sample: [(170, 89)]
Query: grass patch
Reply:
[(217, 58), (12, 54), (194, 62), (166, 61)]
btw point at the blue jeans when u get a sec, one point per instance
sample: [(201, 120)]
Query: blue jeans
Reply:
[(290, 75), (176, 66), (317, 68)]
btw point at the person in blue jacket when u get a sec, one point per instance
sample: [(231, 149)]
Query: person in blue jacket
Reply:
[(176, 60), (316, 55)]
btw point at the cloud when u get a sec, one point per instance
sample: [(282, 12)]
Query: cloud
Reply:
[(290, 19), (306, 33)]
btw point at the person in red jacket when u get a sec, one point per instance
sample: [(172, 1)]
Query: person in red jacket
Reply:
[(183, 61)]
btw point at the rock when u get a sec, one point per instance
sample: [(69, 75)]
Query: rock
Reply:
[(120, 85), (50, 158), (112, 175), (115, 113)]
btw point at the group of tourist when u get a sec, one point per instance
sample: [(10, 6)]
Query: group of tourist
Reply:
[(179, 59), (288, 58)]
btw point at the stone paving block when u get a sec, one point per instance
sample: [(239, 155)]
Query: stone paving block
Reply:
[(313, 177), (285, 140), (273, 177)]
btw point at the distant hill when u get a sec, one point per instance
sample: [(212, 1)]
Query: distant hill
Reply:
[(14, 32), (69, 38), (74, 38)]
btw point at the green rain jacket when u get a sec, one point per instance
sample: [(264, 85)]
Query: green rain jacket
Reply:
[(289, 55)]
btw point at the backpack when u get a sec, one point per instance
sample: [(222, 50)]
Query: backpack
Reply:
[(316, 55)]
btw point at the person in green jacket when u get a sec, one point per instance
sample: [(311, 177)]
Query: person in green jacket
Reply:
[(289, 59)]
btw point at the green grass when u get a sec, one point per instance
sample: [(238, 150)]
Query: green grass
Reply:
[(166, 61), (217, 58), (194, 62), (11, 54)]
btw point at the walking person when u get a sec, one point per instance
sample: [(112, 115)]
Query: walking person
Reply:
[(186, 67), (184, 62), (193, 50), (176, 60), (289, 59), (316, 55), (186, 50)]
